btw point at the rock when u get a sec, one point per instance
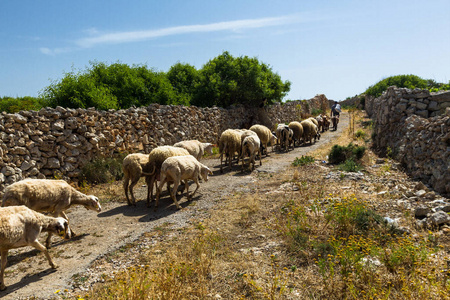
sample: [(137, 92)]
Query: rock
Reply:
[(420, 193), (421, 211), (439, 218)]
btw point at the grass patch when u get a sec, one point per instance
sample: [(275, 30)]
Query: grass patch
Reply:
[(340, 154)]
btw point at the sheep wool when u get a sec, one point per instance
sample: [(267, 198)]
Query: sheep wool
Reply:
[(265, 136), (297, 128), (229, 144), (195, 148), (20, 227), (134, 166), (48, 195)]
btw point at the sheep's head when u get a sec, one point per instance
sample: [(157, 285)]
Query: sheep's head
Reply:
[(273, 139), (61, 227), (209, 148), (93, 204), (205, 171)]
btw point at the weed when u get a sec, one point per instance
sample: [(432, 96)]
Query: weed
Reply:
[(360, 134), (339, 154)]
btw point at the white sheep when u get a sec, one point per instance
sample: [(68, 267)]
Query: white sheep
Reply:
[(181, 168), (47, 195), (134, 167), (265, 136), (310, 131), (284, 136), (156, 158), (251, 146), (196, 148), (297, 128), (20, 227), (229, 144)]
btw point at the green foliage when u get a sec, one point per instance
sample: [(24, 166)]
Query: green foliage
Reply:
[(13, 105), (350, 166), (405, 81), (316, 111), (304, 160), (360, 134), (339, 154), (102, 170), (184, 79), (226, 80)]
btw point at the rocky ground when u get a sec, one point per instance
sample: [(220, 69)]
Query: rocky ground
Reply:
[(112, 240)]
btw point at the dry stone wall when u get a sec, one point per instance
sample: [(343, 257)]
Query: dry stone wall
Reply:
[(58, 142), (414, 127)]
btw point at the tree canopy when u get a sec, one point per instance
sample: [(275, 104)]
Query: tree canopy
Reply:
[(223, 81)]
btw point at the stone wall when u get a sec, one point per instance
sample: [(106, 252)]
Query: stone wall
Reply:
[(414, 127), (58, 142)]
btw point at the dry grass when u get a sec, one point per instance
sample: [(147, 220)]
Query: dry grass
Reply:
[(295, 236)]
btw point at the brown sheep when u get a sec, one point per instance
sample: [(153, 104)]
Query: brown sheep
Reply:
[(134, 167)]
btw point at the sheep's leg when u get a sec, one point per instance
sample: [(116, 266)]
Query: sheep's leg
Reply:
[(158, 190), (186, 189), (134, 181), (126, 180), (150, 189), (4, 254), (48, 241), (148, 182), (41, 247), (198, 185), (173, 194)]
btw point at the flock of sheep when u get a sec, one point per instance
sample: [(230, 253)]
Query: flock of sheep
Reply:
[(21, 218)]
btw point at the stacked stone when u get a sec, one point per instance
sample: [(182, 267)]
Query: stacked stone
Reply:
[(58, 142), (415, 125)]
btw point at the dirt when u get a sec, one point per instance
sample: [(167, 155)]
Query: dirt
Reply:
[(28, 274)]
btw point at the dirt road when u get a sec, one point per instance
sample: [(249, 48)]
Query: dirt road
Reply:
[(29, 275)]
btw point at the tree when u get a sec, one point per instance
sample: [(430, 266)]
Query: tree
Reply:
[(184, 79), (226, 80), (401, 81)]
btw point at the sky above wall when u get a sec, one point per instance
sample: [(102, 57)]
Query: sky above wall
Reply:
[(336, 48)]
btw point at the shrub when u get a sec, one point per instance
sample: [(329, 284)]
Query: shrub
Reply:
[(304, 160), (340, 154), (350, 166), (102, 170)]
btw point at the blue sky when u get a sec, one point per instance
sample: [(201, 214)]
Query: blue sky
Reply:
[(336, 48)]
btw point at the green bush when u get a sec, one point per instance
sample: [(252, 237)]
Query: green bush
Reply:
[(350, 166), (102, 170), (340, 154), (304, 160)]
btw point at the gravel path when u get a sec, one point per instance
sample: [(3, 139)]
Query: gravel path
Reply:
[(29, 275)]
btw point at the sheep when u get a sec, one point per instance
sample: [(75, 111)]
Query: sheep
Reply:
[(156, 158), (196, 148), (47, 195), (250, 147), (134, 166), (181, 168), (297, 128), (265, 136), (20, 227), (335, 121), (284, 135), (229, 144), (312, 119), (326, 123), (319, 119), (310, 131)]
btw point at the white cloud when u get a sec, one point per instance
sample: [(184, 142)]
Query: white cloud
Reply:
[(142, 35), (55, 51)]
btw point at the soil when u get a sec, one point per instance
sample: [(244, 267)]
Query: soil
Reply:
[(28, 274)]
